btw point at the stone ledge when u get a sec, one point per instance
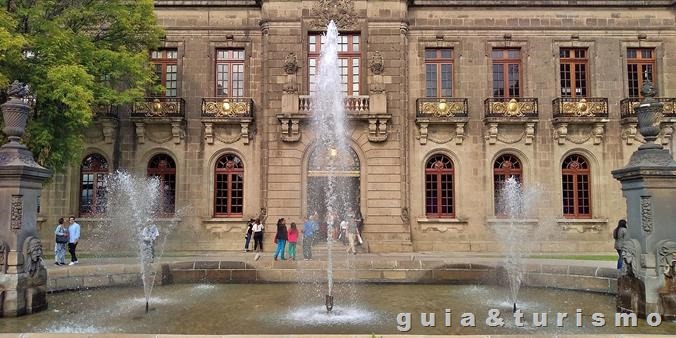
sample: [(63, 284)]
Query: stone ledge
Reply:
[(543, 3)]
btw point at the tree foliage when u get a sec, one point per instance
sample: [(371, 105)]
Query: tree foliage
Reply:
[(77, 55)]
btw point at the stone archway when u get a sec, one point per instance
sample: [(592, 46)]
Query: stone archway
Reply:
[(344, 167)]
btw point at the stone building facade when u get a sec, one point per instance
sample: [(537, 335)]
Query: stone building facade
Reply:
[(445, 100)]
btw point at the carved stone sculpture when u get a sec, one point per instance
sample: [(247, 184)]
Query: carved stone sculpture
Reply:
[(291, 64), (376, 64), (32, 256)]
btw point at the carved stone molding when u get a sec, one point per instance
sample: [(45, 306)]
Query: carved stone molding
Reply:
[(140, 128), (442, 225), (454, 131), (646, 214), (16, 212), (666, 256), (579, 133), (494, 135), (177, 131), (290, 129), (291, 64), (342, 12), (631, 255), (108, 127), (226, 133), (378, 129), (629, 132), (376, 64), (4, 251), (581, 226)]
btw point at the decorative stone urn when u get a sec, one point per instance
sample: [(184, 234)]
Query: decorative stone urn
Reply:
[(23, 278), (646, 283)]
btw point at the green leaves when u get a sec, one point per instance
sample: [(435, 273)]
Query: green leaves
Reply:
[(83, 53)]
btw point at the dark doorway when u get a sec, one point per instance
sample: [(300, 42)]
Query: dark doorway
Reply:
[(346, 193)]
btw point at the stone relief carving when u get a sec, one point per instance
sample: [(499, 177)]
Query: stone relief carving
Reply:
[(16, 212), (376, 64), (342, 12), (32, 251), (646, 214), (291, 64), (666, 258), (404, 215), (4, 250), (631, 255)]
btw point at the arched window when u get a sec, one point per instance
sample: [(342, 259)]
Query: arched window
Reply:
[(93, 173), (505, 166), (163, 167), (576, 187), (439, 189), (229, 186)]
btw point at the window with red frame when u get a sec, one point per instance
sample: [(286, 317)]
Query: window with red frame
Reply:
[(230, 72), (165, 65), (574, 71), (506, 72), (349, 55), (640, 65), (229, 186), (93, 173), (438, 72), (575, 178), (163, 167), (439, 188), (505, 167)]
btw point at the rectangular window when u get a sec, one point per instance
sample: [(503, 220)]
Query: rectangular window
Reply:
[(574, 69), (164, 63), (438, 72), (640, 66), (506, 72), (349, 53), (230, 72)]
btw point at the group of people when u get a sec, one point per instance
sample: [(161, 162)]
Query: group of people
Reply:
[(347, 230), (66, 236)]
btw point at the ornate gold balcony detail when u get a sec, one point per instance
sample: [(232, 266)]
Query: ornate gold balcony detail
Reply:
[(510, 120), (441, 120), (151, 115), (227, 119), (579, 120), (629, 120), (369, 108)]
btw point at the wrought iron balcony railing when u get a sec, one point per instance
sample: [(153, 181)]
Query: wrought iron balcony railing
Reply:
[(628, 106), (582, 108), (159, 107), (354, 105), (227, 108), (106, 111), (515, 108), (441, 107)]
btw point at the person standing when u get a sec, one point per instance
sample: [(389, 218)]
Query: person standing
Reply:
[(149, 235), (619, 235), (308, 236), (73, 239), (249, 233), (61, 240), (257, 229), (293, 239), (351, 235), (280, 238)]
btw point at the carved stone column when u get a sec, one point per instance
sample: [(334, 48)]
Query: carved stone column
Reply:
[(646, 284), (23, 278)]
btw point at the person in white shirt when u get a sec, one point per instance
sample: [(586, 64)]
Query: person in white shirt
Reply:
[(258, 235), (73, 239), (149, 235)]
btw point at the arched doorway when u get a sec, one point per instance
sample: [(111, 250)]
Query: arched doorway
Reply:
[(343, 166)]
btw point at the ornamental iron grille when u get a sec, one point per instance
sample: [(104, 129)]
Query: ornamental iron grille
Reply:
[(504, 167), (93, 172), (439, 188), (575, 179), (163, 167), (228, 186)]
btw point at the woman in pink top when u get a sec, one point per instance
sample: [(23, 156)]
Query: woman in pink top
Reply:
[(293, 239)]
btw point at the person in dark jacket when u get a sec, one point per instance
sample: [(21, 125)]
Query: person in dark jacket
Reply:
[(280, 238), (619, 235), (249, 234)]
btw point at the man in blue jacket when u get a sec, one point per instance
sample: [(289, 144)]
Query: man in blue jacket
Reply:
[(73, 238), (309, 228)]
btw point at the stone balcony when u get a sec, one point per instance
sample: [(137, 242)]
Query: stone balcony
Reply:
[(227, 119), (579, 120), (368, 108), (441, 120), (155, 114), (629, 120), (510, 120)]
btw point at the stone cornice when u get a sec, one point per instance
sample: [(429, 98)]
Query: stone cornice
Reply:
[(543, 3), (208, 3)]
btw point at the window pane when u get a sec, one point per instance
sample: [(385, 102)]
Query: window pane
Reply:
[(498, 81), (431, 80), (446, 80), (446, 53)]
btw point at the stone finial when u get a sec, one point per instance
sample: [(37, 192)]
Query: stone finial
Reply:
[(648, 90), (649, 114), (19, 90), (376, 64), (291, 64)]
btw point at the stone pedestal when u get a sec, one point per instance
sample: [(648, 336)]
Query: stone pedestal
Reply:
[(23, 278), (646, 283)]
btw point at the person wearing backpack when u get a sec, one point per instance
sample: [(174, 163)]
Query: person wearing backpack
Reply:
[(619, 235)]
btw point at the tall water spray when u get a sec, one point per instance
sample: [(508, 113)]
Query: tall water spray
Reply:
[(328, 110), (516, 234), (132, 208)]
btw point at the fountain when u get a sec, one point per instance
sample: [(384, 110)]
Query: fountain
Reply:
[(132, 211), (328, 108), (515, 234)]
